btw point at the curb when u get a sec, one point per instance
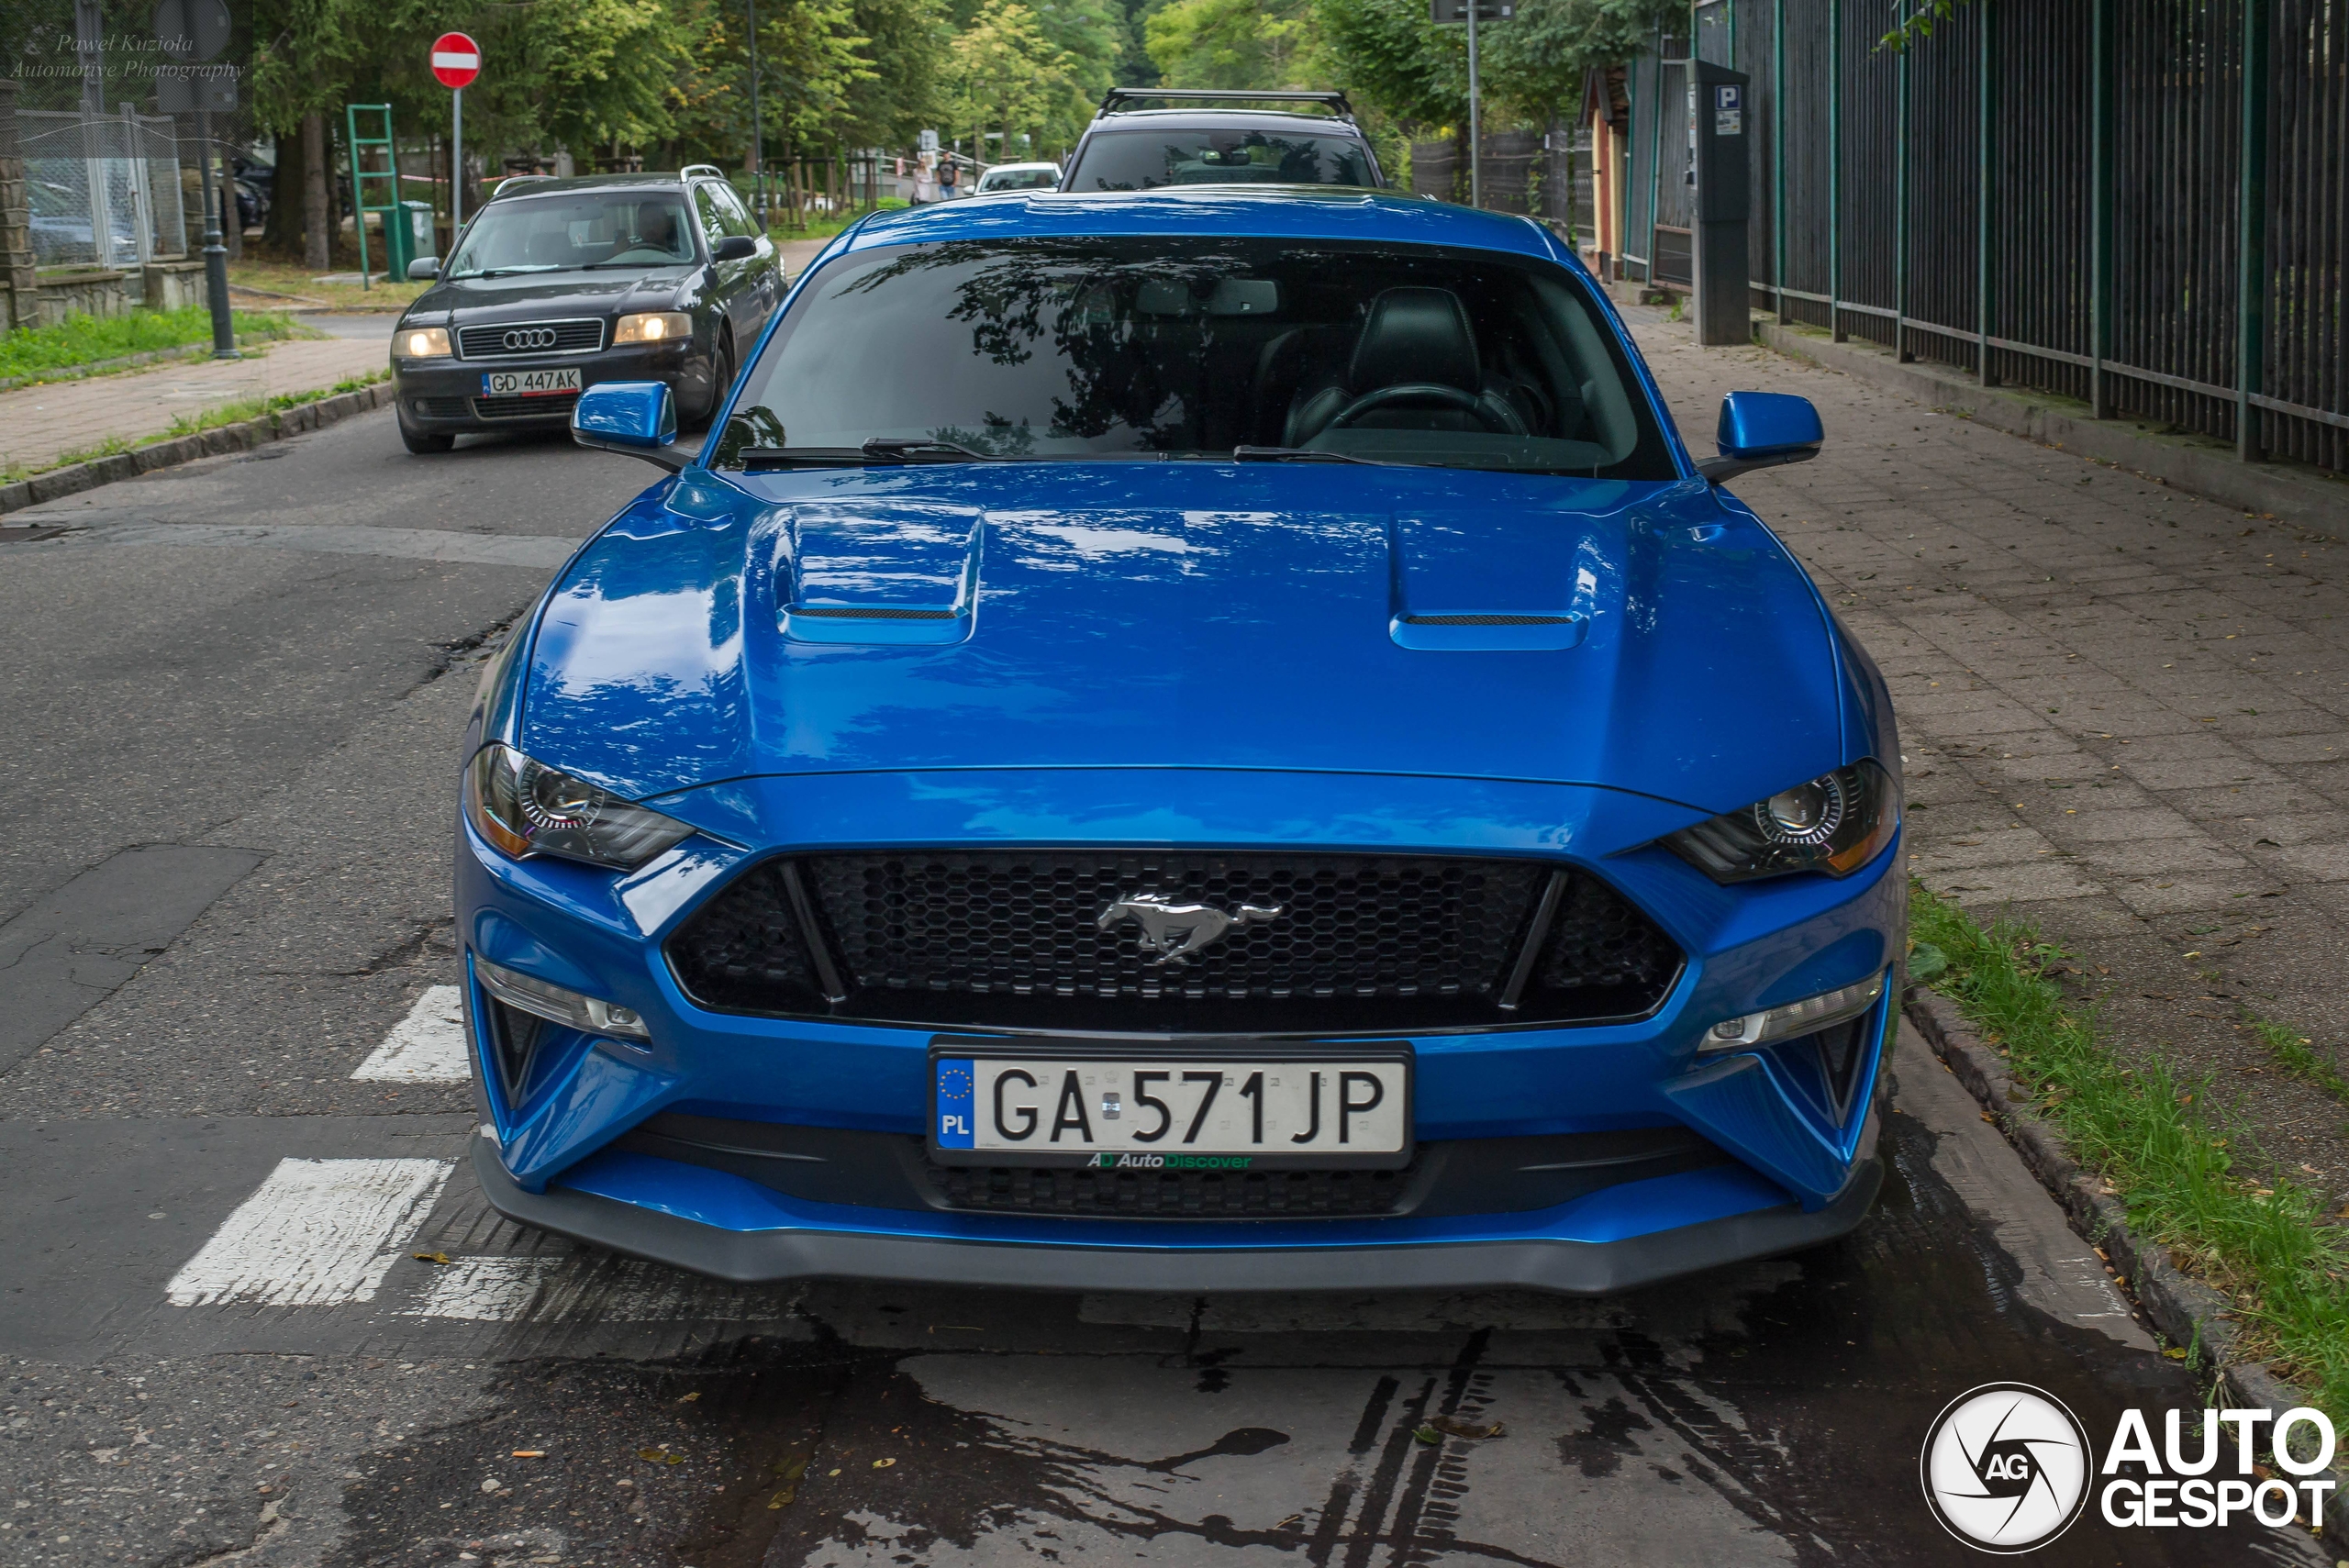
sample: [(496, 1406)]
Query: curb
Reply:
[(2210, 472), (77, 477), (2186, 1311)]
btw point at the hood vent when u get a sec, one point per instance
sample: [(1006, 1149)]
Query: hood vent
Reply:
[(888, 573), (1491, 620), (1492, 581)]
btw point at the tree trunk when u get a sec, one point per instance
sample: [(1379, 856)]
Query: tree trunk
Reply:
[(317, 232), (281, 237)]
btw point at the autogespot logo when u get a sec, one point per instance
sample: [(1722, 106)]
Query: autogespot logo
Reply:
[(2007, 1467)]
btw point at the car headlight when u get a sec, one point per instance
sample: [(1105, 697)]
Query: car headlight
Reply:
[(1836, 823), (423, 342), (525, 807), (653, 327)]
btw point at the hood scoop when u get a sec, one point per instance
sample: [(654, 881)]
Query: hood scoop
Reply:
[(887, 574), (1486, 582)]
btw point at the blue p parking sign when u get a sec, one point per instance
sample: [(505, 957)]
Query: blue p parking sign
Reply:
[(1728, 110)]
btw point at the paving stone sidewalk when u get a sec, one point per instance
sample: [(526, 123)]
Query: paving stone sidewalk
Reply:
[(39, 424), (2125, 710)]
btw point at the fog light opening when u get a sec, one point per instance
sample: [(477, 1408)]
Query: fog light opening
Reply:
[(556, 1004), (1812, 1013)]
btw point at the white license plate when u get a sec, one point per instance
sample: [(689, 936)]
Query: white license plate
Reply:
[(528, 383), (1173, 1112)]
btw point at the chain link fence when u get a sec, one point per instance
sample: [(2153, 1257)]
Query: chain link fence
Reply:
[(103, 190)]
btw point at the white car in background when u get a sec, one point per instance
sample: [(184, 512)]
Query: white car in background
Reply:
[(1018, 177)]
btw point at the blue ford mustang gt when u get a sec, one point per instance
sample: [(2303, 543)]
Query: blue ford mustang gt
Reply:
[(1214, 739)]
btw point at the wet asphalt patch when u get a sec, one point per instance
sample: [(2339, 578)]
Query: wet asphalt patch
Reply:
[(1772, 1413)]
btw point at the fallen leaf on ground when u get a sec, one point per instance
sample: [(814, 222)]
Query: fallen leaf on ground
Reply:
[(690, 1398), (882, 1464), (1453, 1426), (791, 1466), (2175, 1352), (530, 1454), (443, 1258), (659, 1456), (784, 1498), (1428, 1436)]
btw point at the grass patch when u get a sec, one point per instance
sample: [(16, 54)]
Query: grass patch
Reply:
[(2296, 1054), (292, 278), (84, 340), (2158, 1138)]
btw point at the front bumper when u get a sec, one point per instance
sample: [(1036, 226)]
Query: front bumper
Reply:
[(1565, 1264), (443, 394)]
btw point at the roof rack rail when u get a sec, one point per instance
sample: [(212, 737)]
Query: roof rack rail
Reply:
[(1117, 97), (516, 180), (690, 170)]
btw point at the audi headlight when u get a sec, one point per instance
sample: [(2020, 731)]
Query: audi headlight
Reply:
[(525, 807), (655, 327), (1836, 823), (423, 342)]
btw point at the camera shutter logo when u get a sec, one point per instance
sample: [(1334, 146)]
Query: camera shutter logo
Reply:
[(2007, 1467), (530, 337)]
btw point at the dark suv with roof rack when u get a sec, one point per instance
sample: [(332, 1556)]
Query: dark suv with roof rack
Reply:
[(1129, 148), (559, 284)]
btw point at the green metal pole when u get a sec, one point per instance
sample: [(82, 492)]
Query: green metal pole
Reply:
[(1835, 171), (2100, 208), (1655, 156), (1900, 207), (1778, 153), (2251, 268), (1985, 186), (358, 197)]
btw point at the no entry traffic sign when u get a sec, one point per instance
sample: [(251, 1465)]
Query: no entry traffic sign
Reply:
[(456, 59)]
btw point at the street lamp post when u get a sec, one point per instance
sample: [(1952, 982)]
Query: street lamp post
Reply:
[(758, 135)]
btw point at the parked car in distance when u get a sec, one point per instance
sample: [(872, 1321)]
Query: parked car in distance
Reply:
[(559, 284), (1206, 740), (1018, 177), (1132, 149)]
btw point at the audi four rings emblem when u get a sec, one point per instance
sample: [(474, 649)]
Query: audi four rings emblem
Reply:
[(530, 337)]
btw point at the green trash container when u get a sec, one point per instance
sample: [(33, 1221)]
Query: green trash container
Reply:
[(407, 234)]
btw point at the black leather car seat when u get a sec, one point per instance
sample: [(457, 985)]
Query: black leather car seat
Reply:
[(1414, 367)]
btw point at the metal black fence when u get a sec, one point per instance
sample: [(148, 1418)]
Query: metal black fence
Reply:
[(2047, 193)]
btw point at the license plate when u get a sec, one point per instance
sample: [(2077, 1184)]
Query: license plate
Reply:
[(528, 383), (1235, 1111)]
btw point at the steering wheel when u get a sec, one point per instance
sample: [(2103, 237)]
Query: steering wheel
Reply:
[(1492, 413)]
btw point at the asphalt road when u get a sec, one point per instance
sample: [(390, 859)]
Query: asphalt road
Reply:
[(229, 701)]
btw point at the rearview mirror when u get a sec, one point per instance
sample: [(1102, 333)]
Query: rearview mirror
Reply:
[(637, 418), (1763, 429), (734, 247), (423, 269)]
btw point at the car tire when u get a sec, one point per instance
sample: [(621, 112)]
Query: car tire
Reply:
[(422, 442), (721, 378)]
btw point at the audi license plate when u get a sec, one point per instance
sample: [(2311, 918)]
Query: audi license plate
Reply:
[(1178, 1110), (528, 383)]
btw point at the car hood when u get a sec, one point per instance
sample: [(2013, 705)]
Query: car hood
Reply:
[(529, 294), (1637, 635)]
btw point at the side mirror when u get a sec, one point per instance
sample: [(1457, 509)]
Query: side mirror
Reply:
[(424, 269), (1763, 429), (637, 418), (734, 247)]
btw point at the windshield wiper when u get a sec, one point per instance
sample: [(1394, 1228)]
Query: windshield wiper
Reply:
[(1300, 455), (919, 448)]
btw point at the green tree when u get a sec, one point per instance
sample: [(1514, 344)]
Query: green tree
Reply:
[(1233, 43)]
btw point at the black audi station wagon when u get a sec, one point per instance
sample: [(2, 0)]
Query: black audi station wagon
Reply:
[(559, 284)]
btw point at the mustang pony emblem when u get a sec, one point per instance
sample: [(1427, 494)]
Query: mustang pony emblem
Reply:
[(1175, 931)]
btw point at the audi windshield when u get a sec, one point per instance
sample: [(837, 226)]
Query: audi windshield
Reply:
[(1274, 350), (553, 234), (1145, 160)]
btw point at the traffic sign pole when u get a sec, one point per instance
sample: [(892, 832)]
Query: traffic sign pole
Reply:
[(456, 60)]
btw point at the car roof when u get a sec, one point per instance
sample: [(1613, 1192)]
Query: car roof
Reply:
[(1304, 212), (551, 185), (1226, 119)]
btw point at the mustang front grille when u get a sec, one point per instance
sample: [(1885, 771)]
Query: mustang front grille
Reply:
[(1149, 941), (514, 340)]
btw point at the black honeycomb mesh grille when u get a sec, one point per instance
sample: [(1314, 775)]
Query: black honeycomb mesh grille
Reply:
[(1013, 939), (1171, 1195)]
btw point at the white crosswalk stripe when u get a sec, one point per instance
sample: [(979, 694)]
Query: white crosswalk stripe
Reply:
[(427, 1047), (316, 1234)]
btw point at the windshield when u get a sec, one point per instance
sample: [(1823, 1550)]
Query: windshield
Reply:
[(550, 234), (1043, 177), (1145, 160), (1085, 347)]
